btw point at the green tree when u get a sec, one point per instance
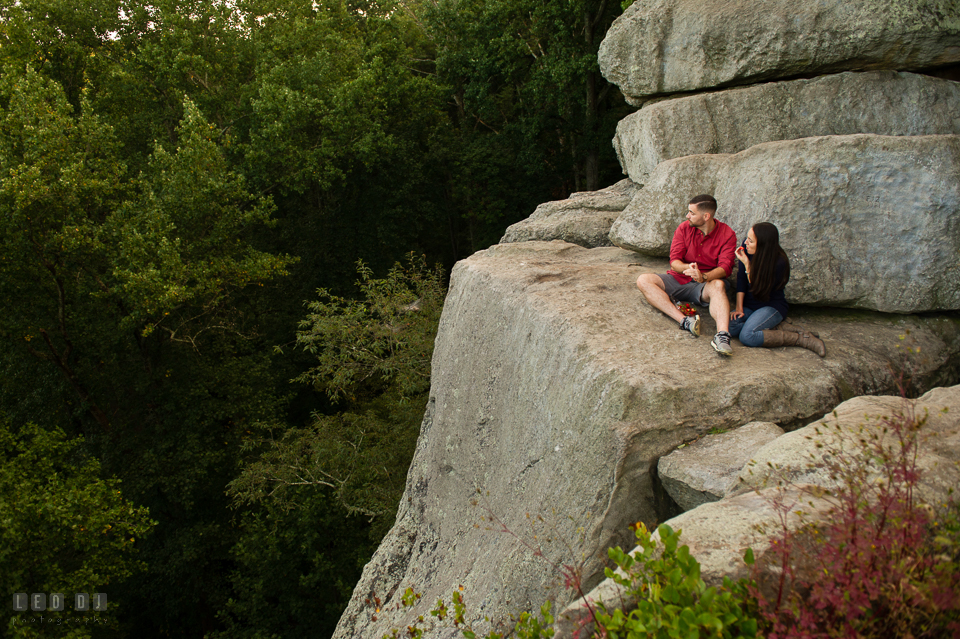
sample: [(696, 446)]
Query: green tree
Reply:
[(129, 322), (373, 356), (296, 563), (64, 529), (171, 52), (345, 126), (94, 261), (316, 500), (526, 96), (62, 180), (71, 43)]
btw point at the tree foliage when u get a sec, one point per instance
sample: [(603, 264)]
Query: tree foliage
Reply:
[(524, 74), (346, 469), (295, 569), (64, 529), (176, 177), (384, 338), (374, 356)]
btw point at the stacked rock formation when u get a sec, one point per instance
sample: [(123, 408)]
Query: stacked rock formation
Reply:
[(556, 390), (858, 165)]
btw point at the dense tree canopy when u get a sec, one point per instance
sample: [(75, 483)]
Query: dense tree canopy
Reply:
[(65, 529), (177, 180)]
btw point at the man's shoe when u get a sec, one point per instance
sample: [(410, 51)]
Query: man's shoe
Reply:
[(721, 343), (691, 323)]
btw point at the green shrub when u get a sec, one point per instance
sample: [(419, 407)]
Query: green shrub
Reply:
[(672, 599)]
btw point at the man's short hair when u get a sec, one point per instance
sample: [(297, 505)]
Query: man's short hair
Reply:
[(705, 203)]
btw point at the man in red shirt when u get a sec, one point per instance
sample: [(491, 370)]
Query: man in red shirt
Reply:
[(701, 256)]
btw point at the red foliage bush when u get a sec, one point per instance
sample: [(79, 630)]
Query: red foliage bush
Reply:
[(881, 565)]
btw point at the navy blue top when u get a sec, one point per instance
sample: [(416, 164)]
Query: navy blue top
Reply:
[(777, 299)]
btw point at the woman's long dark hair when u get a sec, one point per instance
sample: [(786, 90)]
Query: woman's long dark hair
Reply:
[(763, 266)]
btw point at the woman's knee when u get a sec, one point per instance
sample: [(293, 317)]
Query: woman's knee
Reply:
[(736, 326), (751, 338)]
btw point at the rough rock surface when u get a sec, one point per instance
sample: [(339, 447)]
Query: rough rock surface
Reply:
[(718, 534), (798, 456), (730, 121), (555, 389), (669, 46), (584, 218), (649, 221), (707, 469), (868, 221)]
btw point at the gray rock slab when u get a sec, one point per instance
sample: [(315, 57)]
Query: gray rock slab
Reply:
[(647, 224), (583, 219), (730, 121), (668, 46), (868, 221), (555, 389), (706, 469), (717, 534), (799, 457)]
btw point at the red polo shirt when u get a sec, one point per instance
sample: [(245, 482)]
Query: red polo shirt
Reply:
[(708, 251)]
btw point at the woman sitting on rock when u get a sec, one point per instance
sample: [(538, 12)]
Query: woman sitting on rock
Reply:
[(761, 312)]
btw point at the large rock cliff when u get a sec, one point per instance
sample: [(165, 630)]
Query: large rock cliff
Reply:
[(556, 388)]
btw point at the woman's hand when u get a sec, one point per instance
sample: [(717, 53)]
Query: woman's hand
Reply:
[(741, 254), (736, 314)]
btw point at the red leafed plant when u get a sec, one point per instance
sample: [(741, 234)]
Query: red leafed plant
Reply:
[(881, 565)]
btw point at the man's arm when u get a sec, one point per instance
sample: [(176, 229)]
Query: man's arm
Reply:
[(728, 254), (678, 249), (716, 274)]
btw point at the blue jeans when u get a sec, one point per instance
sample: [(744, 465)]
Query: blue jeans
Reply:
[(750, 327)]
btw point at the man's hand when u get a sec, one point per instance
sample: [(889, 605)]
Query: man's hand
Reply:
[(693, 272)]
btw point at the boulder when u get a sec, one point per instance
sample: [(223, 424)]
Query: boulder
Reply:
[(799, 457), (554, 391), (868, 221), (647, 224), (791, 470), (669, 46), (718, 535), (584, 218), (708, 468), (730, 121)]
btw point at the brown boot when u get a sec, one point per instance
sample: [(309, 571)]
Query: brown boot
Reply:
[(773, 338), (785, 325)]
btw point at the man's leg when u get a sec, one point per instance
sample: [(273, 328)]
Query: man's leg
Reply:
[(652, 288), (715, 293)]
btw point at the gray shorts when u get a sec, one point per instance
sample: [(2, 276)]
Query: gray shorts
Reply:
[(690, 292)]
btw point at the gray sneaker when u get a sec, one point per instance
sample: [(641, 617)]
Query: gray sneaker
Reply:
[(721, 343), (691, 323)]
